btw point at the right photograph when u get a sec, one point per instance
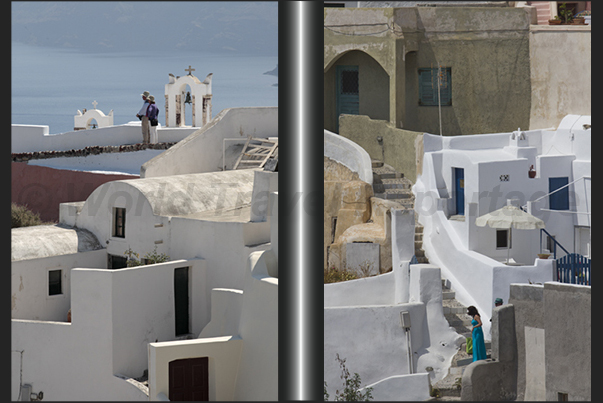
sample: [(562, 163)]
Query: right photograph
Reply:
[(457, 200)]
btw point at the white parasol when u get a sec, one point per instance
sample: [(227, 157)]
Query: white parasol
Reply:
[(509, 217)]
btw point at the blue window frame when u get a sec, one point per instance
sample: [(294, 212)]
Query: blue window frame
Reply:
[(428, 86)]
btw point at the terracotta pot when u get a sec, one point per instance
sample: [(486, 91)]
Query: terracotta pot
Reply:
[(554, 22)]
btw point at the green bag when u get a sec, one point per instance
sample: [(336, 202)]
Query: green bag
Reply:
[(469, 347)]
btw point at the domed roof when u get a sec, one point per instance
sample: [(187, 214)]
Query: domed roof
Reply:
[(50, 240)]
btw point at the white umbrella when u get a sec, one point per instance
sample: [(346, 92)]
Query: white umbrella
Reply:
[(509, 217)]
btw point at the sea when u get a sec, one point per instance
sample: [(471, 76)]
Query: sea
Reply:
[(49, 85)]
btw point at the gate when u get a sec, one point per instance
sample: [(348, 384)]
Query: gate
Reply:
[(573, 269)]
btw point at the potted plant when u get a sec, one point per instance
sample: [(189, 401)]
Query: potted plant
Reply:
[(555, 21)]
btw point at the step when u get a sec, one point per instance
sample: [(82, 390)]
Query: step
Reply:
[(390, 194), (448, 295), (386, 172), (376, 163), (418, 229), (396, 183)]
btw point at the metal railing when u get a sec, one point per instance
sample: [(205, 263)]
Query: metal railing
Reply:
[(555, 243)]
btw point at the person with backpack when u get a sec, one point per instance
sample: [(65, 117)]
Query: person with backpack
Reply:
[(152, 112), (143, 117)]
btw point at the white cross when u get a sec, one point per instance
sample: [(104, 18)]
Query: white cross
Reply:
[(189, 70), (94, 104)]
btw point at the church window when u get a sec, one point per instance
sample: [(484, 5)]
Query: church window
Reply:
[(119, 222), (54, 282)]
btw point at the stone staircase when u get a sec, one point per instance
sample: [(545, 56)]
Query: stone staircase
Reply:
[(455, 313), (392, 185)]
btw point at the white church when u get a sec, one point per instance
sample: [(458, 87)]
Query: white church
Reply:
[(201, 325)]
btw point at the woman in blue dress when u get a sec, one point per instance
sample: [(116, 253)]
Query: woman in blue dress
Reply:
[(479, 345)]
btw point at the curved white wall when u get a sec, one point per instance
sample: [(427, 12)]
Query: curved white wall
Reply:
[(350, 154)]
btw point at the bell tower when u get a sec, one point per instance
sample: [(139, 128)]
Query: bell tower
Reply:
[(199, 97)]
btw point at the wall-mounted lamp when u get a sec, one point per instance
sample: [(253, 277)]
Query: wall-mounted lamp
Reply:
[(405, 321)]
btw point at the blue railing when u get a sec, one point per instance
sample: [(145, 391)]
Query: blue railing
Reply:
[(573, 269), (555, 243)]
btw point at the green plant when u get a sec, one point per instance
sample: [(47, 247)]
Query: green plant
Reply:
[(326, 394), (351, 391), (21, 216), (335, 275), (149, 258), (132, 258), (566, 14), (434, 392)]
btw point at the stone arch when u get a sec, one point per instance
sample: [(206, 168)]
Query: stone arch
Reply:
[(373, 86), (175, 93)]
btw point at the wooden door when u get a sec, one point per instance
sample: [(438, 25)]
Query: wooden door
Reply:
[(189, 380), (348, 91), (459, 174), (181, 301)]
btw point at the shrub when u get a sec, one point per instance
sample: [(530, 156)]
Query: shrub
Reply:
[(334, 275), (351, 391), (150, 258), (21, 216)]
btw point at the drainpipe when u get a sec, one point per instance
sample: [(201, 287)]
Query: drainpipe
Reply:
[(405, 319)]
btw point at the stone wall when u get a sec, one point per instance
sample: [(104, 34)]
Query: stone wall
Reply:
[(560, 58), (487, 50), (541, 347), (396, 148)]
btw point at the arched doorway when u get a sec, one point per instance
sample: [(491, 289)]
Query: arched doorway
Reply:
[(355, 83)]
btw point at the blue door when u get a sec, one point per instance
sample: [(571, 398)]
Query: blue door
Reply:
[(459, 188), (348, 100), (559, 200)]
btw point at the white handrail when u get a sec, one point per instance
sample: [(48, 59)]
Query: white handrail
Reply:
[(556, 190)]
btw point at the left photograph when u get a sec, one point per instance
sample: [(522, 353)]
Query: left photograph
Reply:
[(144, 201)]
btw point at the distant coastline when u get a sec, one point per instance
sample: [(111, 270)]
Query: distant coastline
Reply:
[(273, 72)]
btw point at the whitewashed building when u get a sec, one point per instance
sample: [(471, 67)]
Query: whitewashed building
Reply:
[(86, 327), (464, 177)]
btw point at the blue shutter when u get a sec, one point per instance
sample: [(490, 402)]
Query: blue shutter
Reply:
[(559, 200), (428, 87)]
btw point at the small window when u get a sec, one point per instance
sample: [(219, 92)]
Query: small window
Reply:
[(119, 222), (428, 86), (54, 282), (562, 397), (502, 239), (349, 82)]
